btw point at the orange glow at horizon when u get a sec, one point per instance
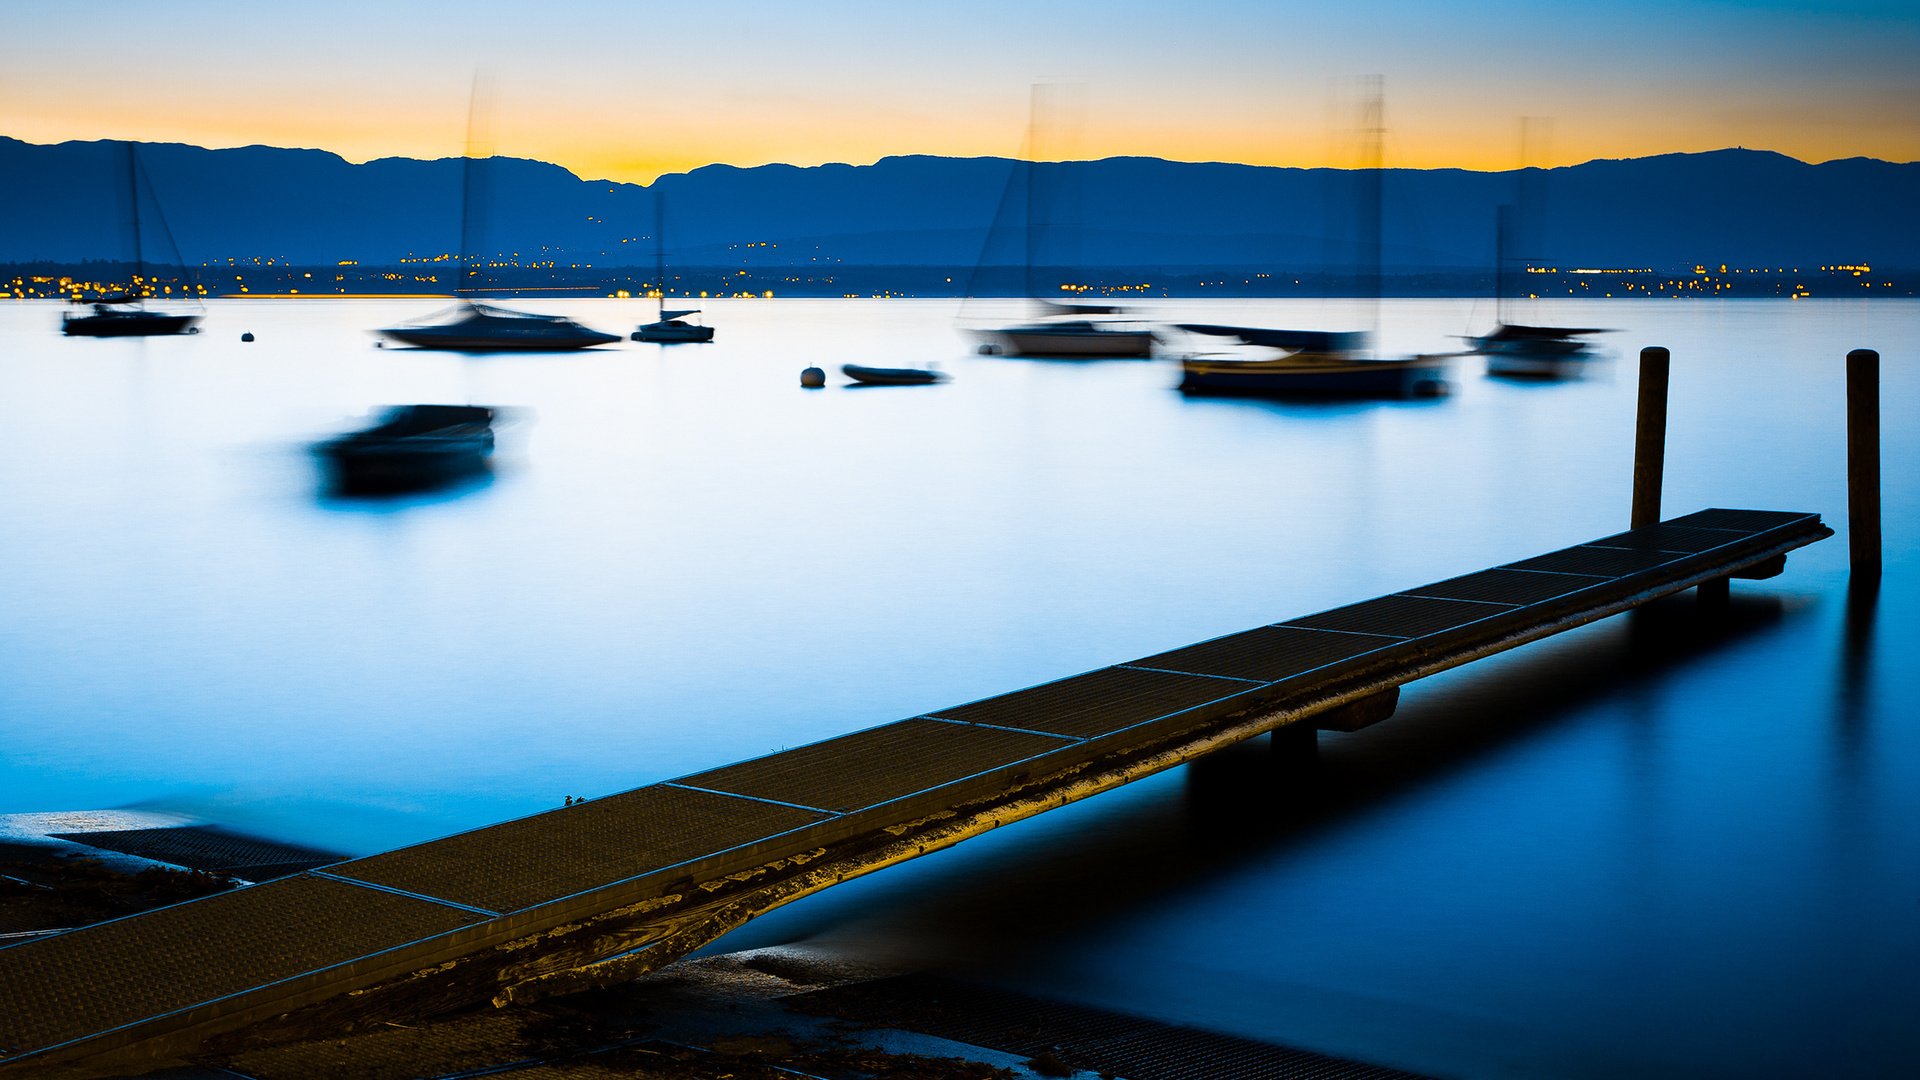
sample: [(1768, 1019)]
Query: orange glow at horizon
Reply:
[(595, 151)]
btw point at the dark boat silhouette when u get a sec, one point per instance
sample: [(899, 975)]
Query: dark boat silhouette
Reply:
[(672, 328), (1306, 363), (1518, 350), (881, 376), (1536, 352), (479, 327), (125, 314), (411, 447), (108, 319), (1068, 333), (1060, 330)]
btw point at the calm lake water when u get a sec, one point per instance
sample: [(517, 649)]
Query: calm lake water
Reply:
[(1658, 845)]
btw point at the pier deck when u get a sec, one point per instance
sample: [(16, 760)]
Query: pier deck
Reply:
[(629, 881)]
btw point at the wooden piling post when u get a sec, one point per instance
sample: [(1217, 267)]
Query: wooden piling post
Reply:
[(1863, 463), (1715, 593), (1650, 436)]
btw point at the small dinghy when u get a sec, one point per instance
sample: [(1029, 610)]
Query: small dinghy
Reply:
[(892, 376)]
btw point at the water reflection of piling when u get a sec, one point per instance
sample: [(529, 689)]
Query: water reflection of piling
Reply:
[(1851, 712)]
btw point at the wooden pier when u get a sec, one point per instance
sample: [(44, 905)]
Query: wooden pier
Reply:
[(609, 888)]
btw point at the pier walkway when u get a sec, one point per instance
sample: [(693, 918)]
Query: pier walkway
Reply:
[(608, 888)]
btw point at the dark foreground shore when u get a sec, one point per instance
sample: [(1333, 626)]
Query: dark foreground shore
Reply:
[(769, 1013)]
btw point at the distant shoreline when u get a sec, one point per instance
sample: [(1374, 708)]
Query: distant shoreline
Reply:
[(65, 281)]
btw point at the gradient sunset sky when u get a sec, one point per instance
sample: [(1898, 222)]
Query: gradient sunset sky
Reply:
[(628, 90)]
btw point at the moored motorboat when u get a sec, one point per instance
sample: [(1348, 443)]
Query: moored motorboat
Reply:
[(411, 447), (879, 376), (480, 327)]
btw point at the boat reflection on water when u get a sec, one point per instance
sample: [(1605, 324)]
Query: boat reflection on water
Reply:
[(478, 327), (1306, 364), (411, 448)]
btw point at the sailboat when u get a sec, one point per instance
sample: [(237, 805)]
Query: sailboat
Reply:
[(1318, 363), (1059, 329), (125, 314), (670, 327), (477, 327), (1518, 350)]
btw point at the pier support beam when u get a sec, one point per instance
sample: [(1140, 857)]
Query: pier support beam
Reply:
[(1355, 715), (1863, 464), (1650, 436)]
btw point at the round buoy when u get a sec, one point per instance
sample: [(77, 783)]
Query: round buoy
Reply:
[(248, 336), (813, 378)]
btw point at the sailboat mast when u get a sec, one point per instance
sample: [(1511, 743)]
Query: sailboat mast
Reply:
[(1372, 194), (133, 199), (468, 181), (660, 248), (1033, 210), (466, 224), (1502, 261)]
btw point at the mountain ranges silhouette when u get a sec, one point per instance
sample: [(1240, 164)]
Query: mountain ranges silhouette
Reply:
[(67, 202)]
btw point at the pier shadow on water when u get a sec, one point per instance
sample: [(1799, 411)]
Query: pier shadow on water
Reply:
[(1246, 805)]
